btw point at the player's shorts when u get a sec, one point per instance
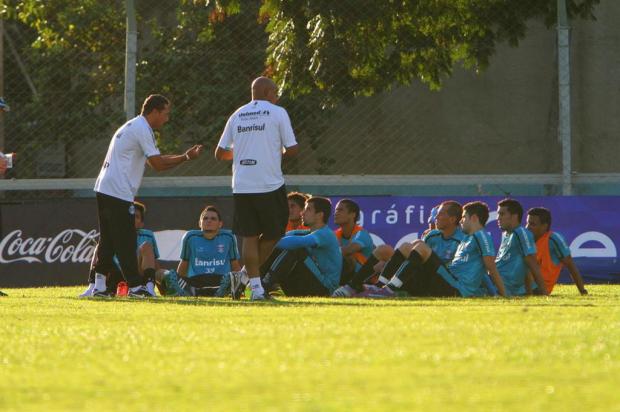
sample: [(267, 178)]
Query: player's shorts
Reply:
[(430, 281), (263, 214)]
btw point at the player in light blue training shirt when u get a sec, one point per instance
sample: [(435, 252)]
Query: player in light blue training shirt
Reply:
[(310, 264), (517, 253), (427, 275), (207, 257)]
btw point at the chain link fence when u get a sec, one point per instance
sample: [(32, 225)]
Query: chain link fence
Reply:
[(65, 79)]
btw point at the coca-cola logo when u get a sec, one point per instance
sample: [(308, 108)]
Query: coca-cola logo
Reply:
[(70, 245)]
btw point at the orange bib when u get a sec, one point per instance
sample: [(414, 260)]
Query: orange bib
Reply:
[(358, 256), (549, 270)]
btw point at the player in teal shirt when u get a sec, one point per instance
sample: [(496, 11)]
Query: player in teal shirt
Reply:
[(463, 276), (208, 256), (306, 264), (517, 252), (444, 240), (356, 244)]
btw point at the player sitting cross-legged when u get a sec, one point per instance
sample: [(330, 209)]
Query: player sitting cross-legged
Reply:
[(207, 257)]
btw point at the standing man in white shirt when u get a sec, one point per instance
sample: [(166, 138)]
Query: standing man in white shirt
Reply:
[(131, 147), (256, 138)]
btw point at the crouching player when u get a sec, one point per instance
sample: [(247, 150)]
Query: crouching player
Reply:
[(303, 263), (552, 252), (147, 254), (427, 275), (207, 257)]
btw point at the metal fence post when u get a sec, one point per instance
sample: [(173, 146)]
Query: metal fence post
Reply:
[(131, 48), (564, 118)]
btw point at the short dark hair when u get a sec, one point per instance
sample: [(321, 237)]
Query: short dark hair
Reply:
[(479, 209), (453, 208), (141, 208), (543, 214), (513, 206), (154, 102), (323, 205), (299, 198), (213, 209), (352, 207)]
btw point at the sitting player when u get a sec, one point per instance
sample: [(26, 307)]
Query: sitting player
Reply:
[(427, 275), (444, 240), (517, 251), (304, 264), (296, 205), (355, 241), (552, 252), (147, 255), (207, 256)]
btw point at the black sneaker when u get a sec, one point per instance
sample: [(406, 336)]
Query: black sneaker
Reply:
[(140, 292), (3, 294), (106, 294), (237, 287)]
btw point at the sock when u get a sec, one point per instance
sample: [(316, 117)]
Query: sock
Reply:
[(149, 275), (362, 275), (100, 284), (382, 281), (392, 265), (150, 286), (415, 259), (257, 287), (394, 284)]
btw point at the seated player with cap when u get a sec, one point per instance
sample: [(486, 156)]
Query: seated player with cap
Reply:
[(147, 254), (552, 251), (208, 256), (303, 263)]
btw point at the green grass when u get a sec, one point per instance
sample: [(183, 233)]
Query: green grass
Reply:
[(560, 353)]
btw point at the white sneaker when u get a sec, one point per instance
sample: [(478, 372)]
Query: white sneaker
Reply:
[(344, 291), (88, 292), (150, 286)]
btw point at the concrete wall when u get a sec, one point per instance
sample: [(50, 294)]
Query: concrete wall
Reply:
[(503, 120)]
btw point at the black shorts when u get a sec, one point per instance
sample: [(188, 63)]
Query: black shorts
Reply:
[(428, 282), (263, 214)]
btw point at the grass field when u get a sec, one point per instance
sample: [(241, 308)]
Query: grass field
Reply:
[(560, 353)]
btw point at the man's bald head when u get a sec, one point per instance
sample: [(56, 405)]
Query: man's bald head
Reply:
[(263, 88)]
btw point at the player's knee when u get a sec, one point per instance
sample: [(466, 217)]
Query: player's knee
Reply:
[(405, 248), (422, 249), (383, 252)]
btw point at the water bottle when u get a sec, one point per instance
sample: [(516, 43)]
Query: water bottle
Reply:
[(122, 289)]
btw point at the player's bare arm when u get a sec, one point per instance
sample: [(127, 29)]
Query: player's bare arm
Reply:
[(489, 264), (165, 162), (575, 274), (223, 154), (290, 152)]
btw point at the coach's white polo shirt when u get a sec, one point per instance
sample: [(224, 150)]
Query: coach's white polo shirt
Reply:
[(122, 170), (257, 132)]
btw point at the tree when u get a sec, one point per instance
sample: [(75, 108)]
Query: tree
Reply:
[(349, 48)]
